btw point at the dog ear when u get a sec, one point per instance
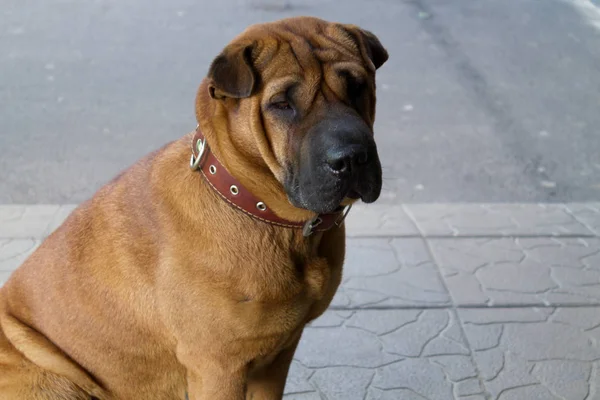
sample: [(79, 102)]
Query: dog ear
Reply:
[(370, 45), (231, 74), (376, 52)]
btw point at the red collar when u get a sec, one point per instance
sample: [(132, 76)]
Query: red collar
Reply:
[(232, 191)]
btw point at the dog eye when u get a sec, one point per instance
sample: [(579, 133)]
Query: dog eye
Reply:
[(355, 85), (282, 105), (355, 88)]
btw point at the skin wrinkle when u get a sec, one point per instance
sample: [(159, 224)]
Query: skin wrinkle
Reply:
[(348, 52), (239, 147), (312, 81), (266, 150), (269, 143), (324, 56), (333, 65), (295, 56)]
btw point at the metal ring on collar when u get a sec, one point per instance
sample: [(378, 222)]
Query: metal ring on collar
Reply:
[(196, 161), (342, 217)]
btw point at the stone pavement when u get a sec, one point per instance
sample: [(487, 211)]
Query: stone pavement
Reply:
[(438, 302)]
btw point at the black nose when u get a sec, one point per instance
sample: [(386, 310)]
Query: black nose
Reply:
[(347, 159)]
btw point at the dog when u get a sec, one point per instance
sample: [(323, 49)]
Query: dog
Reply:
[(194, 272)]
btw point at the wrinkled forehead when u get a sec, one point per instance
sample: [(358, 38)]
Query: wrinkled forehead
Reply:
[(310, 50)]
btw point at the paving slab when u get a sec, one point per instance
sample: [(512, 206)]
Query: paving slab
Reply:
[(384, 355), (380, 220), (498, 219), (586, 213), (390, 273), (520, 271), (536, 353)]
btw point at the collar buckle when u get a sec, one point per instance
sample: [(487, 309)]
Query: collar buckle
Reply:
[(310, 225)]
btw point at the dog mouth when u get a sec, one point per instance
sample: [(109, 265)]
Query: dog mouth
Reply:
[(323, 199), (334, 171)]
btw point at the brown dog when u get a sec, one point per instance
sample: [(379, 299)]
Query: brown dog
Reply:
[(158, 287)]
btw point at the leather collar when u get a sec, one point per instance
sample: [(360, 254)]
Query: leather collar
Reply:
[(232, 191)]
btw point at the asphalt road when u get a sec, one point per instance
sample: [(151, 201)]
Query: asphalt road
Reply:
[(481, 100)]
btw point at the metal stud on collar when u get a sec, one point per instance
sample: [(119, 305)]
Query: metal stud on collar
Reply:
[(261, 206), (234, 190)]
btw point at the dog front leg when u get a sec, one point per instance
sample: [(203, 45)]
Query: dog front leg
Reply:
[(269, 383), (215, 380)]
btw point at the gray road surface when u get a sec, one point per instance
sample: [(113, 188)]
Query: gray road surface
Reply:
[(493, 101)]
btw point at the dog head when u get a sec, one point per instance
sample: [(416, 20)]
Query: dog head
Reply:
[(297, 96)]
